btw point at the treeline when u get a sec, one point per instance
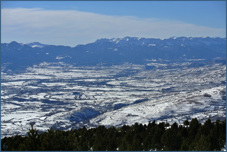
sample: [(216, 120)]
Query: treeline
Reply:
[(152, 136)]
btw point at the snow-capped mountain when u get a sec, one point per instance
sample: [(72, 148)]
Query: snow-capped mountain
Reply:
[(36, 44), (163, 42), (114, 51)]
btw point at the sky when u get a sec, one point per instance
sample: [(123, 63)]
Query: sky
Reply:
[(80, 22)]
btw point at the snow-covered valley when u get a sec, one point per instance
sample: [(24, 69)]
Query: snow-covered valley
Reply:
[(68, 97)]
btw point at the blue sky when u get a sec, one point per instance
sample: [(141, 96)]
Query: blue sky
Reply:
[(78, 22)]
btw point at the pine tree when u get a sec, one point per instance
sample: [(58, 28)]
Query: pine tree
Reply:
[(186, 123), (111, 139), (32, 142), (207, 127), (203, 144), (137, 143), (171, 140), (185, 145), (157, 133), (193, 128), (48, 140)]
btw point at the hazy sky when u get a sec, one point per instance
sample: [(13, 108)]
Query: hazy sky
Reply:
[(77, 22)]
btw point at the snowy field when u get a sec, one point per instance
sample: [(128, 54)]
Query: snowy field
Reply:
[(64, 96)]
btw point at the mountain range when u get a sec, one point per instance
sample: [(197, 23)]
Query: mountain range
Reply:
[(112, 82), (17, 56)]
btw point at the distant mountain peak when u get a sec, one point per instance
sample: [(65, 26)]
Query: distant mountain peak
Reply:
[(14, 43), (36, 44)]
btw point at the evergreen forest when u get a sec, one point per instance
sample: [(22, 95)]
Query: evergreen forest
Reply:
[(190, 136)]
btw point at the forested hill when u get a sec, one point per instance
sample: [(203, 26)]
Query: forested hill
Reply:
[(188, 137)]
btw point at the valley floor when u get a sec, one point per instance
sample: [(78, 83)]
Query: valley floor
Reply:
[(68, 97)]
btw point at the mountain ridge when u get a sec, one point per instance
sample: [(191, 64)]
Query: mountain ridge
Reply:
[(113, 51), (124, 38)]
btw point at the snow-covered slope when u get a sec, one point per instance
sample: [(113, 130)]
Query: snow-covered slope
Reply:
[(176, 107), (65, 96)]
